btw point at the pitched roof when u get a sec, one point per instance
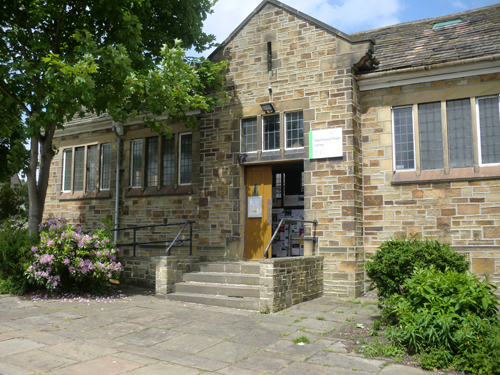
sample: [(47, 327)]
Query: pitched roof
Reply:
[(297, 14), (416, 43)]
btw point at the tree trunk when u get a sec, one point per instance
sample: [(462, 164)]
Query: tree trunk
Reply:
[(37, 187)]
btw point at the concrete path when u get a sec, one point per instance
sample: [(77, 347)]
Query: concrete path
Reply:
[(142, 334)]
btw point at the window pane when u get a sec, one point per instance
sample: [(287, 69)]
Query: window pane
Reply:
[(168, 161), (136, 177), (460, 147), (79, 168), (152, 162), (489, 127), (271, 132), (431, 136), (403, 138), (105, 166), (92, 168), (67, 169), (294, 130), (185, 158), (249, 135)]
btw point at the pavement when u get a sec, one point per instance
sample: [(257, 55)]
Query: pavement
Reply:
[(138, 333)]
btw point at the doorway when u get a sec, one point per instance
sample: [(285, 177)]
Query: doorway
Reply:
[(259, 211), (274, 192)]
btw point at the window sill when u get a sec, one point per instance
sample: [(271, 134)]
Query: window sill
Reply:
[(438, 175), (154, 191), (79, 195)]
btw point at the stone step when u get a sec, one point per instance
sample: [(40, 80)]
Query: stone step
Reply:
[(222, 278), (231, 302), (231, 267), (218, 289)]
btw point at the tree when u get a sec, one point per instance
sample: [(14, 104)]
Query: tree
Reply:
[(60, 58)]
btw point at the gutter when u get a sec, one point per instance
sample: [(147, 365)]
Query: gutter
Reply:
[(397, 76), (119, 131)]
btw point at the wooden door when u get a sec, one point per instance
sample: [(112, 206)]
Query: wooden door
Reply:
[(259, 229)]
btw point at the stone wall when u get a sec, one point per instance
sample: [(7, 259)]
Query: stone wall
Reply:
[(169, 270), (139, 271), (311, 72), (287, 281), (457, 206)]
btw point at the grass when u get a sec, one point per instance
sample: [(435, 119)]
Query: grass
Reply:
[(320, 318), (303, 339)]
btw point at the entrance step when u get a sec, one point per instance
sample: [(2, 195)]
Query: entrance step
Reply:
[(232, 284)]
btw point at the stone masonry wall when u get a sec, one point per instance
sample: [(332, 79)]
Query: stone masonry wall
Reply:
[(310, 72), (287, 281), (139, 271), (461, 208)]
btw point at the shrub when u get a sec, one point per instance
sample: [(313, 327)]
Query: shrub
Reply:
[(450, 318), (395, 260), (15, 244), (13, 200), (68, 259)]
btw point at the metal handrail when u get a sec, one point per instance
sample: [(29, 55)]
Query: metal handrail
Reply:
[(183, 223), (289, 249)]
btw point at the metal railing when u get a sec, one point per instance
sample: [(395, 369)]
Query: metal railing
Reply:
[(289, 248), (181, 242)]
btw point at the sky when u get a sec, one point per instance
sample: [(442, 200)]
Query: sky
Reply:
[(347, 16)]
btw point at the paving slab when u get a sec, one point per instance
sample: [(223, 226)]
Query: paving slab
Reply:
[(263, 363), (201, 363), (116, 330), (38, 360), (345, 361), (228, 352), (235, 370), (188, 343), (406, 370), (104, 365), (10, 369), (165, 368), (149, 336), (78, 351), (9, 347)]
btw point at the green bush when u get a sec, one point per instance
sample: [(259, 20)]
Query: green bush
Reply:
[(67, 259), (15, 244), (450, 318), (395, 260), (13, 201)]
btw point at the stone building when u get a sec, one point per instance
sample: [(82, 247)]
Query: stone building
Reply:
[(376, 134)]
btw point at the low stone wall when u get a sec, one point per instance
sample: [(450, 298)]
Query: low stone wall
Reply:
[(169, 270), (139, 271), (287, 281)]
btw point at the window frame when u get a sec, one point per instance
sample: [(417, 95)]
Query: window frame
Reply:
[(256, 134), (132, 165), (277, 115), (179, 160), (478, 129), (285, 130), (100, 163), (415, 163)]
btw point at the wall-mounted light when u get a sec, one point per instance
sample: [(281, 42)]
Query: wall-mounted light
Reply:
[(267, 107)]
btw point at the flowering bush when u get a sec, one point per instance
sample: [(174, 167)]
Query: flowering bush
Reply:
[(67, 258)]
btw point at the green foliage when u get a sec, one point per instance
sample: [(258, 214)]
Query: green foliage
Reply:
[(449, 317), (395, 260), (300, 339), (15, 244), (377, 349), (66, 259), (13, 201), (122, 58)]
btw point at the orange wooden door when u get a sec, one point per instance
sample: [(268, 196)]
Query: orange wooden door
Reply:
[(259, 229)]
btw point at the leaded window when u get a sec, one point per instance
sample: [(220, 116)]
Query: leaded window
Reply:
[(271, 125), (294, 129)]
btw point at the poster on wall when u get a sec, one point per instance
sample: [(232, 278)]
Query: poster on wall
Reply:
[(325, 143), (255, 206)]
